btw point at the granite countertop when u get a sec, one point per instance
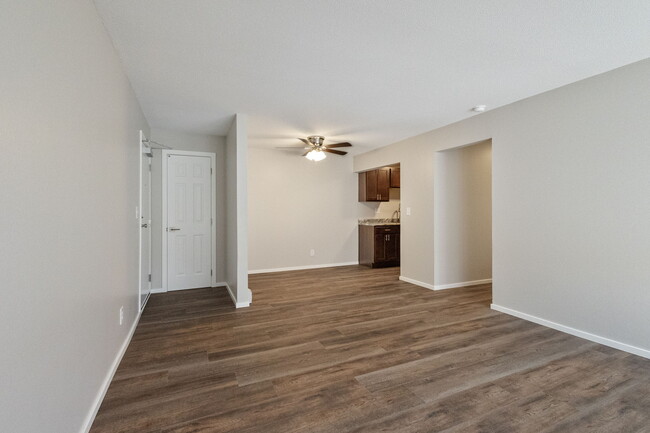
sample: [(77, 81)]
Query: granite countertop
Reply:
[(378, 222)]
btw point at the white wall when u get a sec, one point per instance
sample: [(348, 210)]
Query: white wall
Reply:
[(463, 215), (571, 239), (237, 211), (297, 205), (197, 143), (69, 125)]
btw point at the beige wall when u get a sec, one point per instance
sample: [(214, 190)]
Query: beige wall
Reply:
[(297, 205), (69, 132), (463, 215), (197, 143), (570, 203)]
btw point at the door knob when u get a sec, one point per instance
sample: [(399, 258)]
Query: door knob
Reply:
[(144, 226), (173, 229)]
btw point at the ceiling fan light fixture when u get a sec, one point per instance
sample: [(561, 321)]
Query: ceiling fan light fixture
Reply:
[(316, 155)]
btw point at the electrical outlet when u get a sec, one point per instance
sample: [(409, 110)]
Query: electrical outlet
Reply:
[(121, 315), (312, 252)]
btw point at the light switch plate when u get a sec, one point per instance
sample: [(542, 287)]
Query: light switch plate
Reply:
[(408, 211)]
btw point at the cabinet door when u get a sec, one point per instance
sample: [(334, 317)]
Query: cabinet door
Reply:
[(394, 177), (368, 186), (374, 185), (380, 248), (383, 183), (398, 243), (372, 193), (392, 247)]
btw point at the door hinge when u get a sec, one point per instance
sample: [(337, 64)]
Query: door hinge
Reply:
[(210, 272), (210, 170), (149, 277), (149, 167)]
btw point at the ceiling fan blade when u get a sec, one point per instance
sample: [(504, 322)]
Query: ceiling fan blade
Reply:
[(292, 147), (304, 140), (338, 152), (344, 144), (305, 154)]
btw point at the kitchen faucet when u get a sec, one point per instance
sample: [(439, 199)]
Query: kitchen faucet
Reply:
[(397, 213)]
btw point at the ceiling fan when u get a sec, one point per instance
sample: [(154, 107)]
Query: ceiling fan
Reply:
[(315, 150)]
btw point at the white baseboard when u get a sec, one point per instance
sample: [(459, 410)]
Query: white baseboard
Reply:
[(445, 286), (90, 418), (160, 290), (576, 332), (299, 268), (462, 284), (234, 298), (417, 283)]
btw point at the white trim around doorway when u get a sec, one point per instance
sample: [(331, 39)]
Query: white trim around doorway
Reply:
[(141, 197)]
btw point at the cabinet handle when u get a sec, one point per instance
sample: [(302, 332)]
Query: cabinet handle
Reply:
[(388, 237)]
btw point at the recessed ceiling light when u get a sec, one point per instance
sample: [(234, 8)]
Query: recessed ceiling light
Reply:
[(479, 108)]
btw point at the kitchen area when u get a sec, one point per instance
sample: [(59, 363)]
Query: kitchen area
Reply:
[(379, 236)]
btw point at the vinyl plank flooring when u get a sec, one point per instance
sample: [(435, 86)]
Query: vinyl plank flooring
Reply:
[(626, 413), (353, 349), (442, 414)]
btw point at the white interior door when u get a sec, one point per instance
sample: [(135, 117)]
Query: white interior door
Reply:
[(145, 229), (189, 234)]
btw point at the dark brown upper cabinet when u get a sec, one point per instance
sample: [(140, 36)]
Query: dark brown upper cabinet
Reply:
[(394, 177), (374, 185)]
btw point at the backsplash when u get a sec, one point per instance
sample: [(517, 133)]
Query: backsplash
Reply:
[(387, 209)]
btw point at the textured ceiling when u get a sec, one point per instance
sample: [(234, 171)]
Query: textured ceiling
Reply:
[(368, 71)]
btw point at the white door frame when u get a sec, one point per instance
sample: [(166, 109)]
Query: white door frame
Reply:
[(141, 147), (213, 210)]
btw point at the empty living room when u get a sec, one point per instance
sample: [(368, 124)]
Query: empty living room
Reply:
[(303, 216)]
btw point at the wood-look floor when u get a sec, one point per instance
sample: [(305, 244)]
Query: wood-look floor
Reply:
[(353, 349)]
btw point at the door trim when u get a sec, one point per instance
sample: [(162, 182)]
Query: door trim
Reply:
[(213, 210), (141, 148)]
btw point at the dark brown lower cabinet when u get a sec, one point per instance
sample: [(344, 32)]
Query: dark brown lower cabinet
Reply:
[(379, 246)]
